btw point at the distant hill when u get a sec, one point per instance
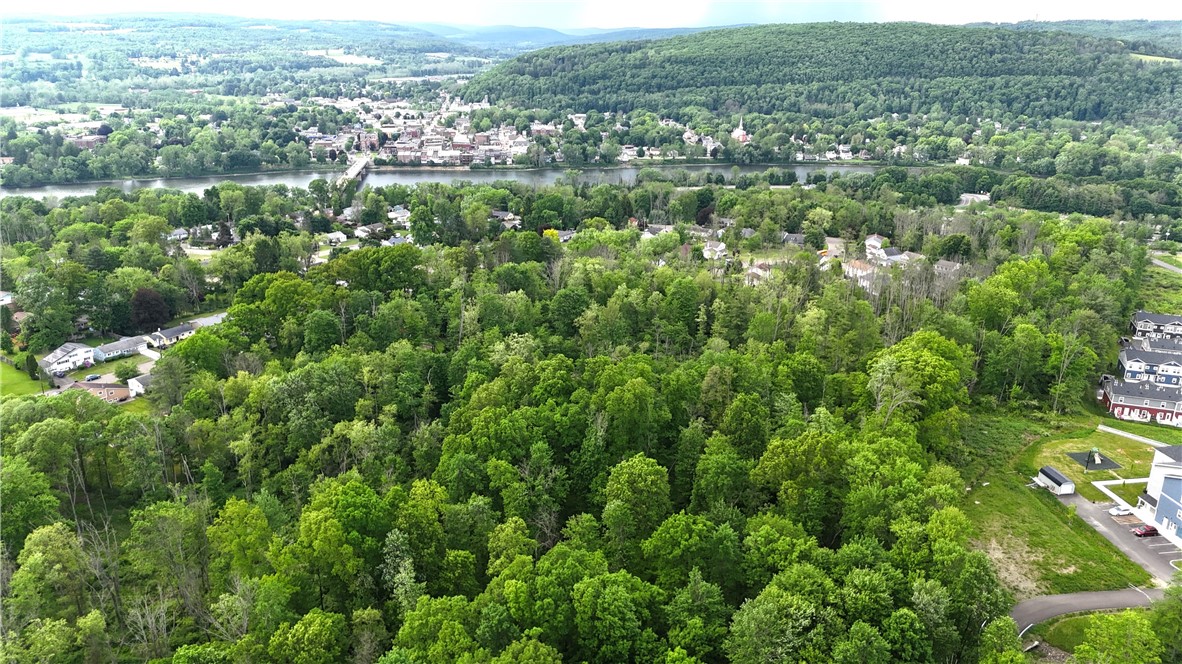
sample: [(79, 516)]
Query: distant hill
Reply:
[(843, 69), (528, 38), (1152, 37)]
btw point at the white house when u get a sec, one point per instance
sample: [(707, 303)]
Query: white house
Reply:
[(139, 384), (68, 357), (714, 250), (336, 237)]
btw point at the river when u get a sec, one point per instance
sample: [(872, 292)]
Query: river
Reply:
[(409, 176)]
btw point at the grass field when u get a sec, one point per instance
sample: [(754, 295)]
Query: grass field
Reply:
[(13, 381), (1128, 492), (1162, 290), (1158, 432), (1038, 546), (1159, 59), (138, 406), (1135, 459), (108, 367)]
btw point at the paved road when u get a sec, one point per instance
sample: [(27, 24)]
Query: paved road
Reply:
[(1040, 609), (1152, 553), (1166, 265)]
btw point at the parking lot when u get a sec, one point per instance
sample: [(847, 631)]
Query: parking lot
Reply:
[(1157, 555)]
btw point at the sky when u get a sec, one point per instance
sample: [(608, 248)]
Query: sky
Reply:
[(575, 14)]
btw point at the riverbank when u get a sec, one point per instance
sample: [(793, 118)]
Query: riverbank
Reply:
[(379, 176)]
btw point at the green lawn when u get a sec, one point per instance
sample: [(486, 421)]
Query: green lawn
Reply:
[(108, 367), (1037, 545), (1128, 492), (1135, 459), (138, 406), (1156, 59), (1171, 259), (13, 381), (1158, 432), (1161, 290)]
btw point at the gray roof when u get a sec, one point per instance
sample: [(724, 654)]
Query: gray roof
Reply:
[(1171, 346), (97, 386), (1146, 390), (144, 380), (1054, 475), (891, 252), (947, 266), (747, 232), (126, 343), (1174, 452), (1157, 319), (1149, 356), (177, 331), (793, 238)]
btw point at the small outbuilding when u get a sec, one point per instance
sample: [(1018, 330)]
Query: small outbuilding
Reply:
[(1055, 481)]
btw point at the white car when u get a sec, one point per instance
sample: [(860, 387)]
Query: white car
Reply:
[(1120, 511)]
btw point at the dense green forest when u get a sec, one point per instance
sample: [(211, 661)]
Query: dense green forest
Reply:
[(826, 70), (1150, 37), (503, 448)]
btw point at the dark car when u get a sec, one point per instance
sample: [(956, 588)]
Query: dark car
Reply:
[(1146, 531), (93, 377)]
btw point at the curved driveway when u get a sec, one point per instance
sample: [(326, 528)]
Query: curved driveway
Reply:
[(1040, 609)]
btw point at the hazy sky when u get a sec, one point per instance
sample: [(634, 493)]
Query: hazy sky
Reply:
[(646, 13)]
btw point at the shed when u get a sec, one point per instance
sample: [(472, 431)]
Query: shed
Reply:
[(1055, 481)]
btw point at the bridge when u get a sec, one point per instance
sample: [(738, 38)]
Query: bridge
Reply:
[(357, 170)]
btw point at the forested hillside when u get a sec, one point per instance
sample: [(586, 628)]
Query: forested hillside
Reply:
[(826, 70), (1153, 37), (504, 448)]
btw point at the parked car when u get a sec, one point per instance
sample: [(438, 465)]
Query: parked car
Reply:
[(1120, 510), (1146, 531), (93, 377)]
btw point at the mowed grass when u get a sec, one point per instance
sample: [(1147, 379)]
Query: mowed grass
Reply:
[(108, 367), (137, 406), (1128, 492), (1134, 457), (1161, 290), (1157, 59), (1037, 545), (14, 382), (1158, 432)]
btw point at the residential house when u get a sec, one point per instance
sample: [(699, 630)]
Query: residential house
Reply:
[(169, 336), (1157, 326), (747, 233), (714, 250), (1171, 346), (1142, 402), (1162, 500), (372, 229), (874, 247), (1135, 365), (68, 357), (109, 392), (5, 298), (178, 235), (336, 237), (947, 268), (757, 273), (860, 272), (565, 236), (796, 239), (120, 348), (139, 385)]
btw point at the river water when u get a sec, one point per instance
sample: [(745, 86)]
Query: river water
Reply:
[(410, 176)]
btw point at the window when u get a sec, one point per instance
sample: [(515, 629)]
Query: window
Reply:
[(1179, 515)]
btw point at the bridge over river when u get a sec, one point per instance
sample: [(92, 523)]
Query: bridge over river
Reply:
[(356, 172)]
